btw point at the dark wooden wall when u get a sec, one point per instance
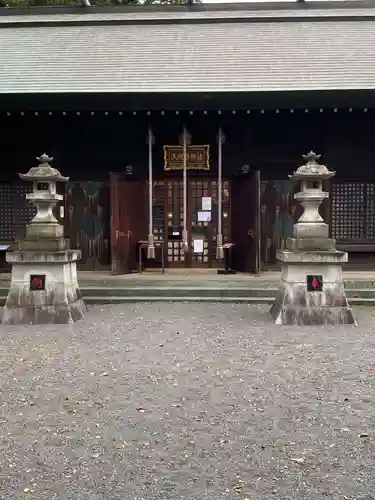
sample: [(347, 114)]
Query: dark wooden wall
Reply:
[(87, 222), (87, 147)]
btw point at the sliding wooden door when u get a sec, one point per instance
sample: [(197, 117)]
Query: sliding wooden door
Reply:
[(245, 215), (129, 220)]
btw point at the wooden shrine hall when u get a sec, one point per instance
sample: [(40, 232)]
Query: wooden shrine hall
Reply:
[(180, 125)]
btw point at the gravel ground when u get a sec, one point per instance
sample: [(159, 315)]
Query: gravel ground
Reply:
[(187, 401)]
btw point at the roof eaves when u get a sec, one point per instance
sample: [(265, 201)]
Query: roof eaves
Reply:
[(202, 8), (87, 16), (177, 21)]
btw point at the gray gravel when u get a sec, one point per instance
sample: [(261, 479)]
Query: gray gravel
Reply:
[(187, 401)]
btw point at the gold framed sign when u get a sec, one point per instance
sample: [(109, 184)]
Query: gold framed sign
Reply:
[(197, 157)]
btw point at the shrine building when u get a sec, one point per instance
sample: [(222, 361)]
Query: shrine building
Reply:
[(180, 125)]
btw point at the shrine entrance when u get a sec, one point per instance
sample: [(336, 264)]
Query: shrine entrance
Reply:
[(240, 221), (202, 221)]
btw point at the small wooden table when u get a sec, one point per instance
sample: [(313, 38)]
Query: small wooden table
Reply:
[(144, 244)]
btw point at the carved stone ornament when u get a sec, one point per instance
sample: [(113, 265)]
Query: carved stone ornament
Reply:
[(44, 171), (312, 169)]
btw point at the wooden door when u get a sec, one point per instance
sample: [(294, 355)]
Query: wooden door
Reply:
[(207, 231), (198, 189), (174, 220), (87, 223), (245, 216), (128, 221)]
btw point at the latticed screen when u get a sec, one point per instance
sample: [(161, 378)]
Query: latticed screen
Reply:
[(16, 212), (224, 211), (158, 210), (6, 210), (200, 230), (353, 211), (175, 207), (197, 190)]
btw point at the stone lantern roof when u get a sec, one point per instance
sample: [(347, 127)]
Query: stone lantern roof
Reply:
[(312, 169), (43, 172)]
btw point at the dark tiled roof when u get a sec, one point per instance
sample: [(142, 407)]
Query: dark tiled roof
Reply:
[(189, 51)]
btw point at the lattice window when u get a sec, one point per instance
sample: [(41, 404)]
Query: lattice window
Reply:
[(175, 217), (6, 211), (200, 230), (23, 210), (158, 210), (225, 214), (15, 211), (353, 211)]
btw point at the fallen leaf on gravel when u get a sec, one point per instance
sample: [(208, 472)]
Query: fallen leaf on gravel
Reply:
[(238, 484), (364, 435), (299, 460)]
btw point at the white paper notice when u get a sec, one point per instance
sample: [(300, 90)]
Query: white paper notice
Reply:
[(198, 246), (204, 216), (206, 203)]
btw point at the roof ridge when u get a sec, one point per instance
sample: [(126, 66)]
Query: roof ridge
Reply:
[(202, 8), (140, 16)]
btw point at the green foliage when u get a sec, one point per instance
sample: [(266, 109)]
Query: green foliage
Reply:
[(35, 3)]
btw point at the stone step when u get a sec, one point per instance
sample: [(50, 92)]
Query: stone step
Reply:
[(195, 291), (229, 282), (360, 296), (108, 299), (132, 299), (177, 292)]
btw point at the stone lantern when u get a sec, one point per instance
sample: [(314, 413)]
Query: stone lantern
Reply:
[(44, 286), (311, 288), (44, 225), (311, 232)]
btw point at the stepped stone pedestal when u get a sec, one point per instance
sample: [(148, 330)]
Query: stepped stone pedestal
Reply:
[(311, 290), (44, 286)]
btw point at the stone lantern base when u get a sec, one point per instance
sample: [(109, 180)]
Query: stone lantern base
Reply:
[(296, 305), (44, 288)]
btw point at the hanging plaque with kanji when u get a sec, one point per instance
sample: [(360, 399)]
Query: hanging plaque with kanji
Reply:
[(197, 157)]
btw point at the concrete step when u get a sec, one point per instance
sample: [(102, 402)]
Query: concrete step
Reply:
[(219, 293), (133, 299), (197, 291), (101, 295), (176, 292), (224, 300), (231, 282), (234, 300)]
